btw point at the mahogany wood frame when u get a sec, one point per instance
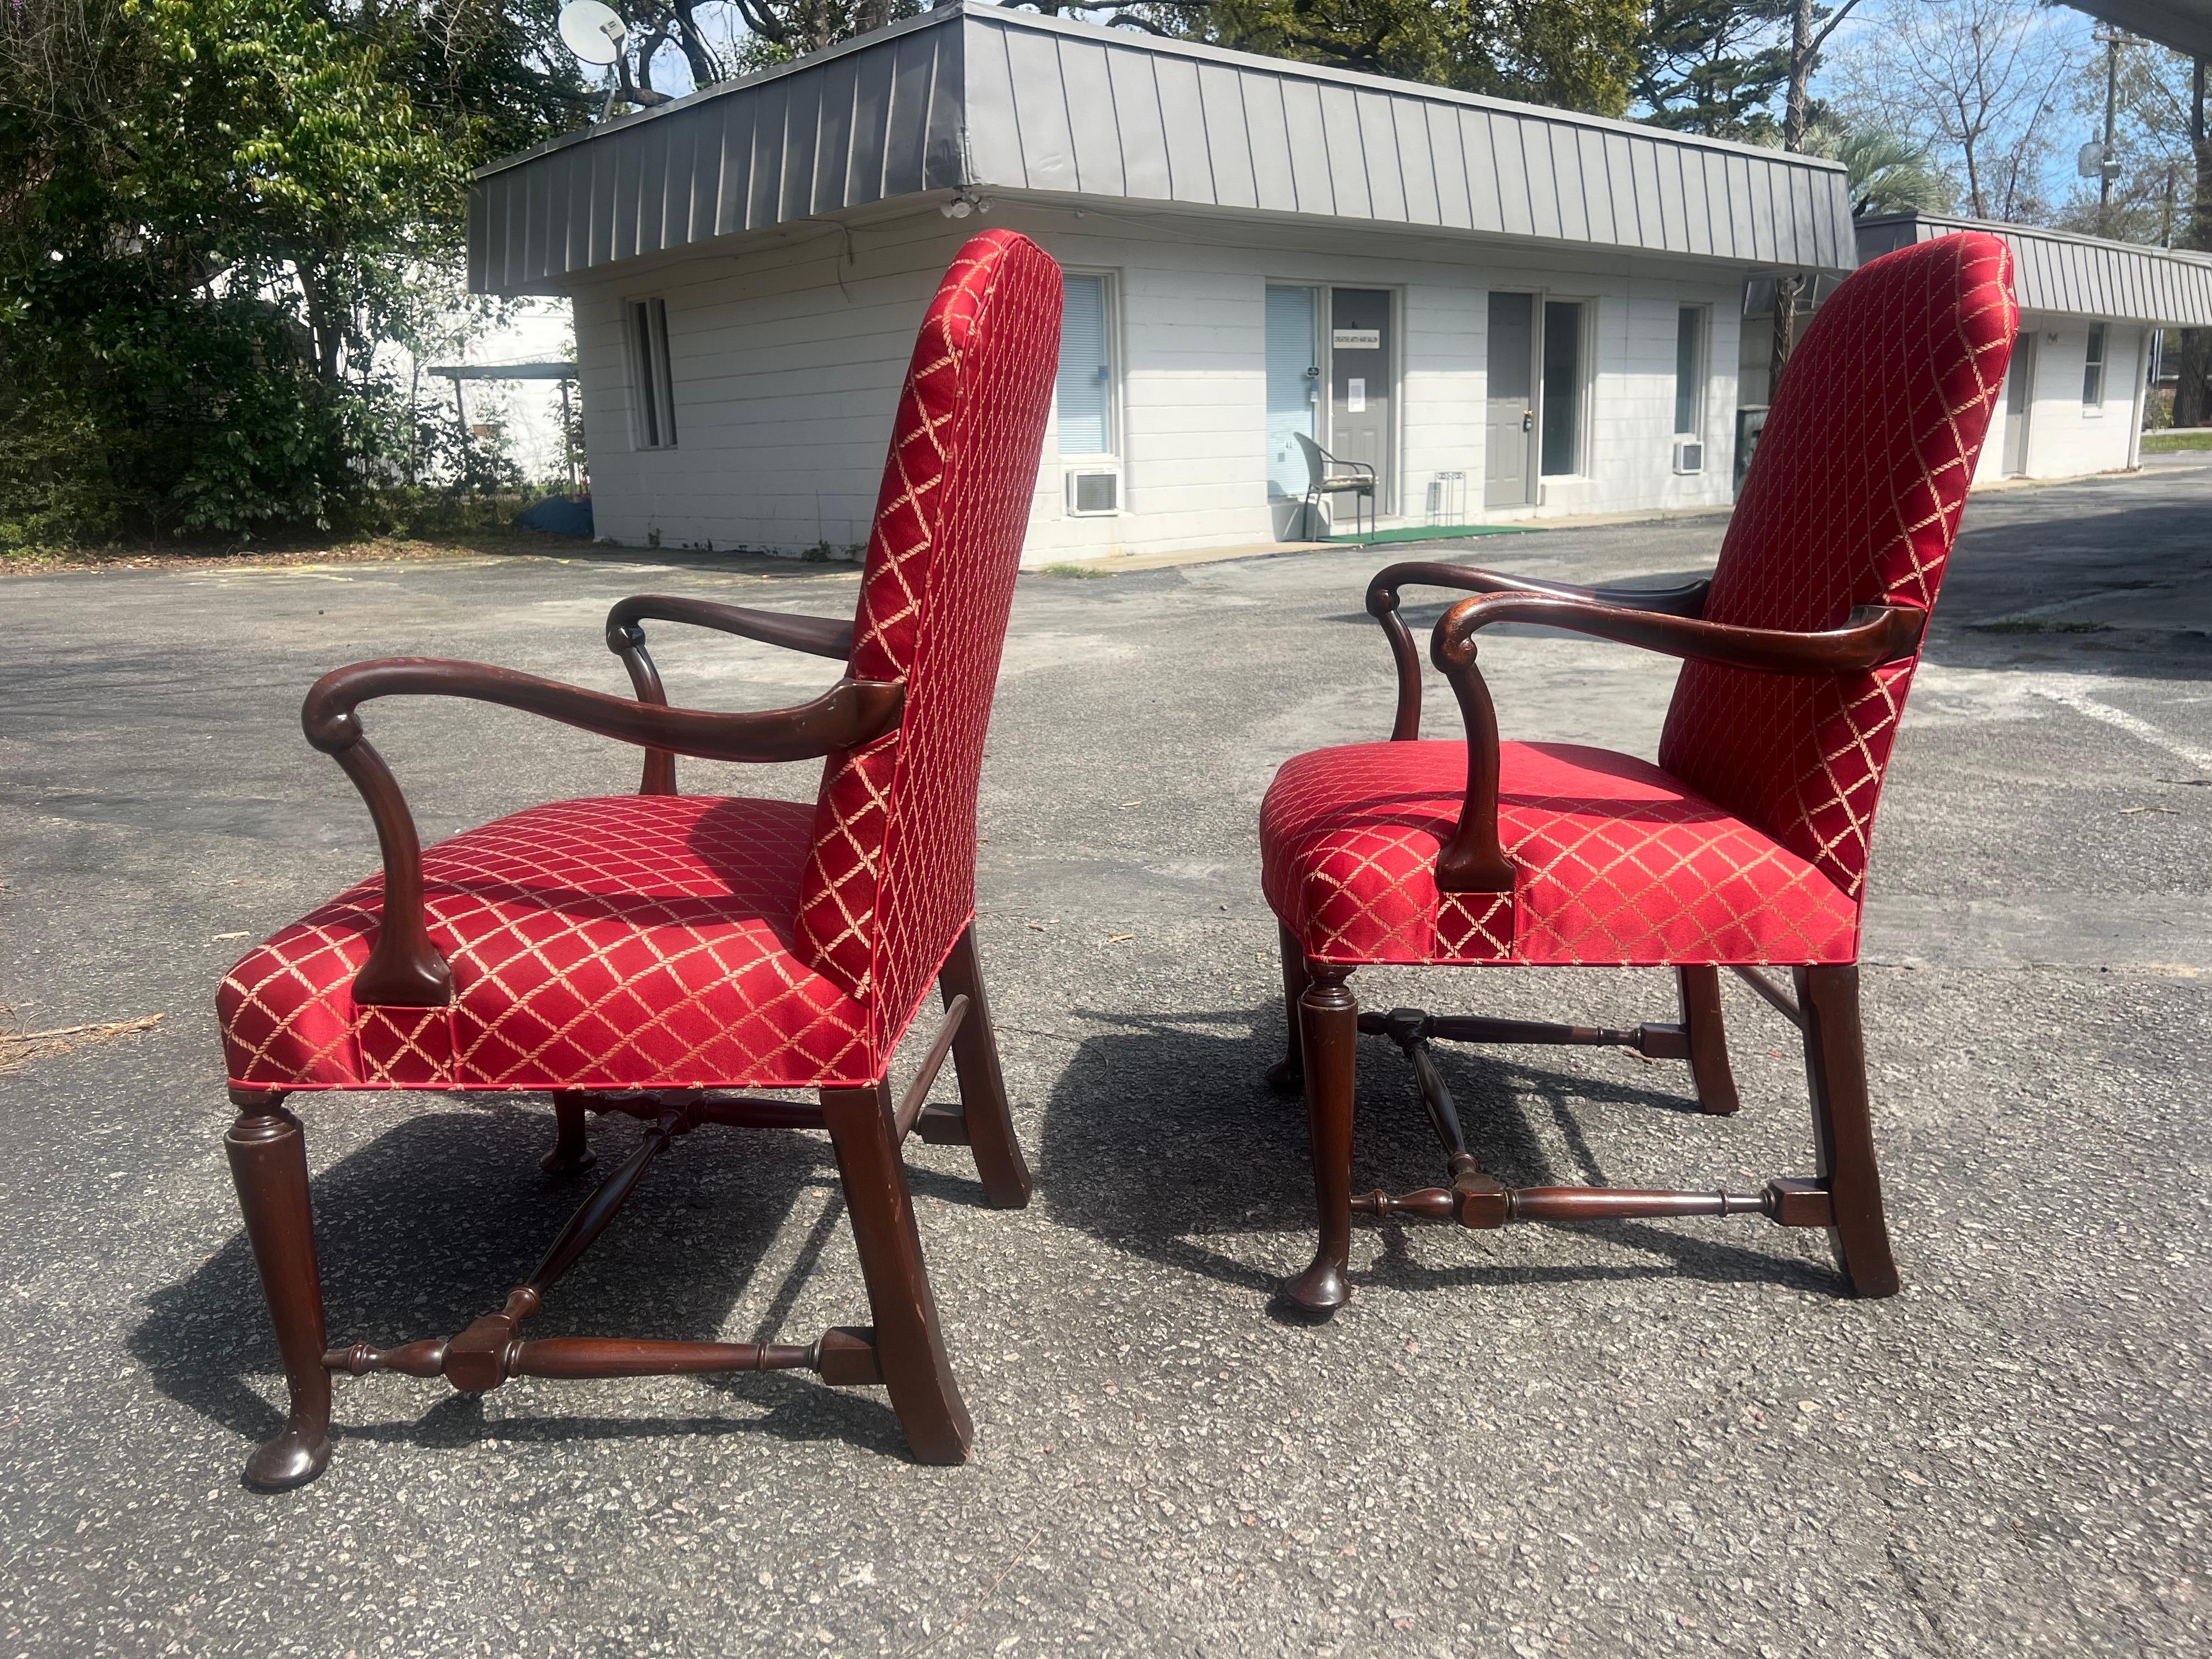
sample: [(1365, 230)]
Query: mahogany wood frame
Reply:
[(903, 1348), (1844, 1195)]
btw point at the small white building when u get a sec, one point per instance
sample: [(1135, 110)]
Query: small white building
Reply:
[(2090, 314), (1509, 312)]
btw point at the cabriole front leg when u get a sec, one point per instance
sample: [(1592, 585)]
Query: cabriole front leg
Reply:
[(268, 1162), (1328, 1028)]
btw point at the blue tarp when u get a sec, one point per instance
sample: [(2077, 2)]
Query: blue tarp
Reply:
[(559, 515)]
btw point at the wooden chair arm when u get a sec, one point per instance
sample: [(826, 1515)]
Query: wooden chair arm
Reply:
[(1688, 600), (821, 637), (1473, 860), (404, 968)]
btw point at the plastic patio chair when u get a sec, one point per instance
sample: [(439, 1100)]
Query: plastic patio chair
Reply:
[(644, 954), (1323, 480), (1745, 847)]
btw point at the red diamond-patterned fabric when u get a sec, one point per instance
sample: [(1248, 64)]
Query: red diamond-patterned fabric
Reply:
[(1747, 842), (1616, 861), (1854, 498), (891, 881), (689, 941), (640, 941)]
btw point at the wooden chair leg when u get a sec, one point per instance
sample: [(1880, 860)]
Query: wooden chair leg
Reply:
[(909, 1344), (572, 1154), (1328, 1020), (1843, 1126), (1287, 1075), (1701, 1022), (269, 1162), (991, 1136)]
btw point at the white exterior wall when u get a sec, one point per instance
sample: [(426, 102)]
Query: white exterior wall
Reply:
[(2065, 438), (786, 363)]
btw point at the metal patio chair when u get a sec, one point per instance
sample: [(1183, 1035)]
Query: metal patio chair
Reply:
[(1745, 847), (646, 954), (1322, 481)]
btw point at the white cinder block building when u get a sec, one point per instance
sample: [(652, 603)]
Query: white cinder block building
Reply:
[(1509, 312), (2090, 314)]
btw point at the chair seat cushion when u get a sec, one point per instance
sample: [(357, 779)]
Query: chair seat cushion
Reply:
[(1616, 862), (642, 941)]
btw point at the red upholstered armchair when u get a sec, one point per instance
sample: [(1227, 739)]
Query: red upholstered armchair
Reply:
[(647, 953), (1745, 846)]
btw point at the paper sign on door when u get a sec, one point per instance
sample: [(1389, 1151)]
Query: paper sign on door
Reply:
[(1355, 396)]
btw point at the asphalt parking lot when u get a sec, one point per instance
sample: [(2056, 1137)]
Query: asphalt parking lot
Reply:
[(1630, 1439)]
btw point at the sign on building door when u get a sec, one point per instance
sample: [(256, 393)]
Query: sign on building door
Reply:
[(1356, 339)]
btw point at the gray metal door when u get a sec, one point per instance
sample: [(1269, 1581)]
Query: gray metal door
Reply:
[(1359, 389), (1512, 419), (2020, 397)]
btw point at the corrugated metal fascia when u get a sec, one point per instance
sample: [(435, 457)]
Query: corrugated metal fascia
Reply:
[(1206, 127), (2059, 272), (835, 130)]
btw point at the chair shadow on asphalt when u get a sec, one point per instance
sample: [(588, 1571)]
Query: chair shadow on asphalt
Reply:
[(426, 1226), (1213, 1151)]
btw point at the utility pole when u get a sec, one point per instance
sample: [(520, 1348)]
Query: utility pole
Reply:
[(2111, 39)]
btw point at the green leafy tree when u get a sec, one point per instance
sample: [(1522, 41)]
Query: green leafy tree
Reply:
[(1885, 173), (212, 212), (1573, 54), (1716, 66)]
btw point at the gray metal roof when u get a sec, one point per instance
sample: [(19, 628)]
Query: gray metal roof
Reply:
[(2054, 271), (1011, 101), (2183, 25)]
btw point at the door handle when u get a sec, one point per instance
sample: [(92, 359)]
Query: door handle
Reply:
[(1527, 420)]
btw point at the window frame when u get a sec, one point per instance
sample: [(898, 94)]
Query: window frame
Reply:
[(1117, 425), (1585, 382), (652, 372), (1702, 369), (2096, 367)]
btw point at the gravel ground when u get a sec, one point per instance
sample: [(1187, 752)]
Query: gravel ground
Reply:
[(1638, 1437)]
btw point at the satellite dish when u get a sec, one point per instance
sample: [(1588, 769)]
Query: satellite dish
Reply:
[(592, 31)]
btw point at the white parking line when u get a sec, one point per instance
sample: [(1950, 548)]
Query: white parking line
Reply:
[(2134, 725)]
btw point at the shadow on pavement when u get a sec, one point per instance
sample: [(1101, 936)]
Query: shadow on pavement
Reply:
[(426, 1226), (1162, 1140)]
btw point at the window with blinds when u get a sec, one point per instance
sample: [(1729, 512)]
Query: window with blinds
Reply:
[(1085, 392), (2092, 369), (653, 383), (1690, 371)]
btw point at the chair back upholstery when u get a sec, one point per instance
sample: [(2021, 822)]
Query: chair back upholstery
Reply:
[(890, 880), (1853, 498), (1316, 461)]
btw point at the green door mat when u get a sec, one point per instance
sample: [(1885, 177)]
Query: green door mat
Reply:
[(1434, 532)]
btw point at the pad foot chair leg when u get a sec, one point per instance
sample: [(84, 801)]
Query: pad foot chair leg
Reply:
[(1287, 1075), (572, 1154), (1708, 1036), (1843, 1126), (268, 1162), (991, 1137), (909, 1343), (1328, 1022)]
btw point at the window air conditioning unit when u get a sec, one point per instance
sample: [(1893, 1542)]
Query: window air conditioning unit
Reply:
[(1093, 494), (1689, 455)]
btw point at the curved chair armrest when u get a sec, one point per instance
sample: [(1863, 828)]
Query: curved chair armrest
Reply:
[(1688, 600), (1473, 861), (821, 637), (404, 968)]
